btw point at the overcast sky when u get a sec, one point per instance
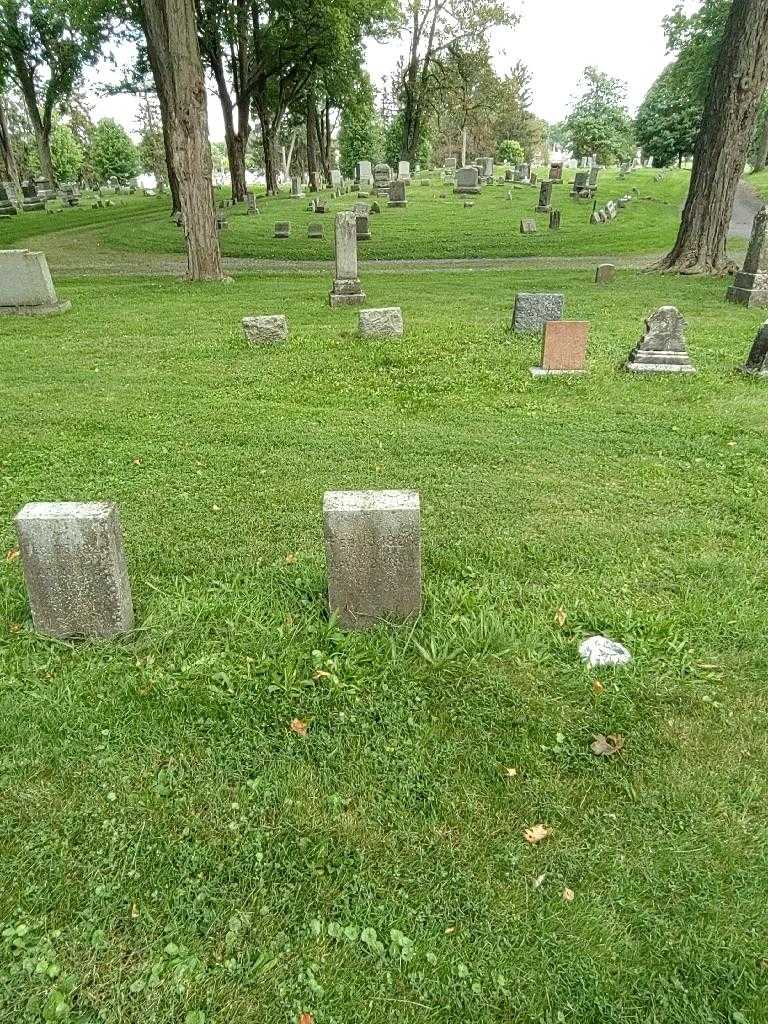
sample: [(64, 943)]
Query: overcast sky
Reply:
[(557, 39)]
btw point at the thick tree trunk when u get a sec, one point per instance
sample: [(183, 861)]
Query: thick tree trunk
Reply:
[(9, 158), (738, 82), (39, 127), (762, 152), (163, 88), (173, 24)]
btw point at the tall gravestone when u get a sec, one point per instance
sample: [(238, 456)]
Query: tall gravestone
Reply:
[(467, 181), (545, 197), (347, 290), (296, 192), (74, 567), (382, 175), (373, 551), (662, 348), (757, 360), (26, 286), (364, 173), (750, 285), (404, 170), (397, 194), (556, 172)]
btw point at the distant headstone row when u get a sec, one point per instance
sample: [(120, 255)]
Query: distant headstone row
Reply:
[(74, 563)]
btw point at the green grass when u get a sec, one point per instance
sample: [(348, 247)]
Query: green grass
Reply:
[(430, 227), (169, 846), (759, 182), (38, 222)]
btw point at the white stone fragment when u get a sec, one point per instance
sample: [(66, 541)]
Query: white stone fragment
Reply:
[(599, 651), (265, 330), (386, 322)]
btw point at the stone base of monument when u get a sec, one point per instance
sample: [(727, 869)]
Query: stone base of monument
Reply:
[(468, 190), (57, 307), (648, 361), (749, 290), (396, 203), (751, 371), (543, 209), (540, 371), (346, 293)]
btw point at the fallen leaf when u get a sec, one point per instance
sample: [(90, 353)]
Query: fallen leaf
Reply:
[(299, 727), (536, 833), (560, 616), (606, 746), (137, 462), (12, 555), (597, 686), (511, 773), (568, 895), (538, 880), (290, 559), (15, 627), (134, 911), (322, 674), (451, 930), (306, 1018)]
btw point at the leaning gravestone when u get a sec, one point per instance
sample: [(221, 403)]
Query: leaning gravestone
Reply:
[(563, 349), (74, 567), (528, 226), (26, 287), (534, 309), (373, 551), (662, 348), (265, 330), (750, 286), (397, 194), (467, 182), (347, 290), (545, 197), (757, 360), (605, 273), (382, 323)]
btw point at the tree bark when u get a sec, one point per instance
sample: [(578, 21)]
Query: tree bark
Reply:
[(164, 90), (762, 152), (738, 82), (9, 158), (41, 125), (174, 27), (312, 142)]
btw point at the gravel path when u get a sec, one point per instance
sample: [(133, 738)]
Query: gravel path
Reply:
[(748, 202)]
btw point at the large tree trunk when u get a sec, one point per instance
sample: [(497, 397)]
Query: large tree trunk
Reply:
[(312, 142), (9, 158), (737, 85), (40, 128), (235, 138), (164, 90), (173, 24), (762, 152)]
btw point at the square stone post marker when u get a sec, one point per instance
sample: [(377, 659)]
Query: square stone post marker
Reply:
[(74, 566), (347, 290), (750, 286), (373, 548)]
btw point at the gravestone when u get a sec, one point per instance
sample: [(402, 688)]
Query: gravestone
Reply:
[(373, 551), (750, 285), (384, 323), (397, 194), (265, 330), (362, 227), (757, 360), (347, 290), (467, 182), (554, 220), (545, 197), (282, 229), (579, 183), (250, 203), (556, 173), (316, 231), (335, 177), (74, 567), (296, 192), (404, 170), (486, 167), (382, 175), (450, 163), (605, 273), (26, 287), (662, 348), (528, 226), (593, 174), (364, 173), (375, 208), (563, 348), (534, 309), (533, 179), (523, 173)]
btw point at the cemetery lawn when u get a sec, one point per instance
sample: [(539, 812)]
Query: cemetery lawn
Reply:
[(429, 228), (173, 852)]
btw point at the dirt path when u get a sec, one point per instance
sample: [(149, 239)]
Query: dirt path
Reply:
[(748, 202)]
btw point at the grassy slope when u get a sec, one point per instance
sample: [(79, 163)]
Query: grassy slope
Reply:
[(429, 227), (168, 843)]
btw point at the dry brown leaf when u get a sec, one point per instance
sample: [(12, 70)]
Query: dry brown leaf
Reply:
[(560, 616), (537, 833), (606, 746), (306, 1018), (15, 627), (538, 880), (299, 727), (12, 555), (450, 930), (597, 686), (511, 773), (568, 895), (134, 911), (322, 674), (137, 462), (290, 558)]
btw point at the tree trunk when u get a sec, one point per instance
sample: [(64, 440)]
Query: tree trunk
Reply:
[(173, 24), (236, 139), (463, 147), (762, 153), (163, 88), (9, 158), (42, 132), (737, 85), (312, 142)]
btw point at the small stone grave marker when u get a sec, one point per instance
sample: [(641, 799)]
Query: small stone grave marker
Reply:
[(564, 348), (265, 330), (534, 309), (384, 323)]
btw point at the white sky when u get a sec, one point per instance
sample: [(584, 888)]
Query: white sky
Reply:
[(557, 39)]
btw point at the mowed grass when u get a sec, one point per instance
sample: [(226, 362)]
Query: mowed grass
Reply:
[(171, 851), (430, 227)]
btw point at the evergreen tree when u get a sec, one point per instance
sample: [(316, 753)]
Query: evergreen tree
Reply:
[(361, 136)]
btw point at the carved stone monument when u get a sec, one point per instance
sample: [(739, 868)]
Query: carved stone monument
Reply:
[(750, 285), (662, 348)]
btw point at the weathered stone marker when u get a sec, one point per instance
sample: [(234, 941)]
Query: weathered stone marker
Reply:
[(316, 230), (528, 226), (563, 349), (347, 290), (750, 286), (363, 227), (534, 309), (373, 549), (545, 197), (662, 348), (554, 220), (282, 229), (74, 566), (556, 173), (605, 273), (383, 323), (757, 360), (296, 192), (397, 194), (404, 170), (26, 287), (467, 182), (265, 330)]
